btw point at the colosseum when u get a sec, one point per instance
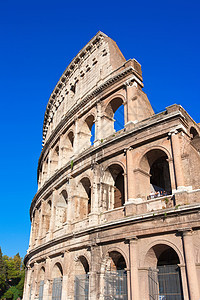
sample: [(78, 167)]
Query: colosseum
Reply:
[(117, 211)]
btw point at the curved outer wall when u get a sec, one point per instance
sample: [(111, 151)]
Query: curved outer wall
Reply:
[(95, 210)]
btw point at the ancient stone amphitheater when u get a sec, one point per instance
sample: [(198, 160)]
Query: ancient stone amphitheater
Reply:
[(117, 211)]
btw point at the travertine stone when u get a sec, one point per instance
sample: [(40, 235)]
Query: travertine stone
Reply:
[(94, 199)]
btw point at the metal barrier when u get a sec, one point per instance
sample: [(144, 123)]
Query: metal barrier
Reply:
[(115, 287), (41, 290), (169, 283), (153, 284), (165, 283), (81, 287), (57, 289)]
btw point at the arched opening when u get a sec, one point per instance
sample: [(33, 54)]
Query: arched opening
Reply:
[(54, 159), (87, 133), (164, 273), (57, 275), (155, 163), (67, 147), (61, 209), (44, 170), (115, 286), (86, 193), (113, 187), (115, 115), (71, 138), (41, 283), (193, 133), (81, 283), (47, 217), (169, 277)]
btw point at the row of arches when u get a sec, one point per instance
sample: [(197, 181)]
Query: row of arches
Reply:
[(82, 135), (163, 276), (111, 189)]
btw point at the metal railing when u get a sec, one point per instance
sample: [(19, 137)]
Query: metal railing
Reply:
[(115, 285)]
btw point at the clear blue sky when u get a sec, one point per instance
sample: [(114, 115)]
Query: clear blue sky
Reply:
[(38, 41)]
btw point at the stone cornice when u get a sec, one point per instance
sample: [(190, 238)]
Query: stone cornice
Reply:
[(118, 223)]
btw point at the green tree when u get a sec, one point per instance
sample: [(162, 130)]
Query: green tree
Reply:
[(11, 277), (2, 275)]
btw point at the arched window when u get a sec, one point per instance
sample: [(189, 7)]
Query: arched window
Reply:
[(81, 279), (47, 217), (54, 159), (115, 116), (164, 273), (57, 275), (61, 209), (114, 187), (86, 195), (169, 277), (155, 163), (193, 133), (116, 277), (41, 283)]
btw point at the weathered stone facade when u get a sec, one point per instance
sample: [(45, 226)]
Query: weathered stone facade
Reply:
[(113, 219)]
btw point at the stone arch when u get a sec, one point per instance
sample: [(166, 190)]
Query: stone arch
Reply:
[(67, 146), (57, 270), (150, 257), (71, 137), (81, 283), (87, 131), (113, 186), (154, 172), (40, 282), (118, 250), (114, 114), (163, 263), (83, 199), (193, 132), (47, 216), (57, 276), (44, 169), (86, 192), (82, 265), (115, 275), (55, 158), (61, 208)]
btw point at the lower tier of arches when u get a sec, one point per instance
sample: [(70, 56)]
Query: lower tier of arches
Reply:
[(151, 267)]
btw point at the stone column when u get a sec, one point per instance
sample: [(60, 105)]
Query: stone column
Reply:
[(190, 264), (65, 277), (61, 146), (130, 175), (93, 218), (128, 284), (52, 219), (184, 281), (98, 125), (70, 190), (27, 283), (171, 172), (134, 278), (177, 158), (49, 164), (93, 272), (31, 236), (47, 282), (41, 221)]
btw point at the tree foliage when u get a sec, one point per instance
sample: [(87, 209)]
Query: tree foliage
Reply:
[(11, 277)]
